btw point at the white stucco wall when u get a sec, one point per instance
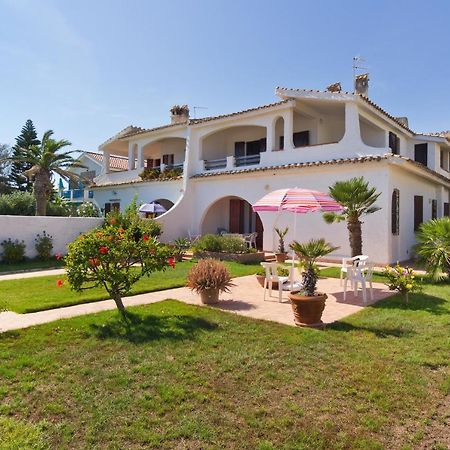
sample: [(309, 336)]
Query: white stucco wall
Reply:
[(63, 230)]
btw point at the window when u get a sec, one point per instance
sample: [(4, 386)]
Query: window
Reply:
[(418, 211), (249, 148), (153, 163), (446, 209), (421, 153), (168, 159), (115, 206), (394, 143), (434, 209), (395, 211), (301, 139), (441, 159), (281, 142)]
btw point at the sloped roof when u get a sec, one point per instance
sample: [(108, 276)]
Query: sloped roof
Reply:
[(115, 162)]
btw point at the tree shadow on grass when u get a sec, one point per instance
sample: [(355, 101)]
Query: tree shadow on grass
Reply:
[(138, 329), (417, 302), (381, 332)]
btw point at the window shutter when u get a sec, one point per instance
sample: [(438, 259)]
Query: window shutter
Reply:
[(239, 149), (434, 209), (301, 139), (150, 163), (421, 153), (418, 211), (281, 142), (446, 209), (395, 212), (107, 208)]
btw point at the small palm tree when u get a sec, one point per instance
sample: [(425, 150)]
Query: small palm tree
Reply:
[(358, 200), (433, 246), (45, 162), (308, 253)]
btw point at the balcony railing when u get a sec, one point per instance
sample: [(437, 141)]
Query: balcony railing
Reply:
[(213, 164), (247, 160)]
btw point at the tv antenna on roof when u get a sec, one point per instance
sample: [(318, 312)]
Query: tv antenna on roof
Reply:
[(357, 61), (198, 107)]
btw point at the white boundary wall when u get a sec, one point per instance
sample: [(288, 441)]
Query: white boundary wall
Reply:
[(63, 229)]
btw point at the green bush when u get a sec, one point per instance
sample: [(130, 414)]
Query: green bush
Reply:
[(44, 246), (208, 243), (13, 251), (87, 209), (156, 174), (232, 244), (24, 204)]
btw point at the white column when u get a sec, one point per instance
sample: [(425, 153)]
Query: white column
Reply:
[(352, 130), (288, 129), (140, 157), (270, 141), (131, 156), (106, 167), (230, 162)]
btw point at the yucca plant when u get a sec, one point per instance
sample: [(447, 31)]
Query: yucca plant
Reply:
[(358, 200), (308, 253), (281, 235), (433, 246)]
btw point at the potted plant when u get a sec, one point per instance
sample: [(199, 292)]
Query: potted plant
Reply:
[(281, 256), (180, 246), (208, 278), (307, 303)]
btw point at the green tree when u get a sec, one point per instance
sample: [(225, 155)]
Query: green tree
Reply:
[(433, 246), (26, 139), (358, 200), (5, 187), (45, 160)]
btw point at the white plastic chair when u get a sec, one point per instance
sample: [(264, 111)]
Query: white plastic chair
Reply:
[(358, 261), (250, 239), (359, 274), (271, 277)]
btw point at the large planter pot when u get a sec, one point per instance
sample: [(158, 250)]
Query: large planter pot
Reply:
[(261, 279), (209, 296), (281, 257), (307, 310)]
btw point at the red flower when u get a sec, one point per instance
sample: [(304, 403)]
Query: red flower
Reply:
[(110, 238), (171, 262), (113, 221), (58, 256), (94, 262), (59, 283), (103, 250), (121, 230), (145, 237)]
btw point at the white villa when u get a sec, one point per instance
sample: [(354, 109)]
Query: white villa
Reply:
[(307, 139)]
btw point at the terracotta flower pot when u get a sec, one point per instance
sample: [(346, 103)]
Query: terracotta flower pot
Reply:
[(281, 257), (307, 310), (210, 296)]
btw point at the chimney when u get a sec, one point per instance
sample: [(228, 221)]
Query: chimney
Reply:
[(403, 121), (362, 84), (179, 114), (335, 87)]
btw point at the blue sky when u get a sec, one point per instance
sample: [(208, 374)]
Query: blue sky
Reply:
[(87, 69)]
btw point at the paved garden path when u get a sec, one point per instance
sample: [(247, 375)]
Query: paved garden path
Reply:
[(31, 274), (245, 299)]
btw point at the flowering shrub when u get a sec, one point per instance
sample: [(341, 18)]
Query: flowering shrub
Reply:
[(401, 279), (44, 246), (106, 256), (13, 251)]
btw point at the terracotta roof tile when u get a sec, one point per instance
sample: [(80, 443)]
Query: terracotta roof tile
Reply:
[(115, 162)]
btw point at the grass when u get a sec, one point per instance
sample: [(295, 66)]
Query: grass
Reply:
[(31, 264), (181, 376), (41, 293)]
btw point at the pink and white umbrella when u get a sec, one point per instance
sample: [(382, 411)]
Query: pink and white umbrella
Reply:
[(298, 201)]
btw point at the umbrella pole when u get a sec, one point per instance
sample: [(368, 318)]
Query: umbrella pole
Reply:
[(293, 253)]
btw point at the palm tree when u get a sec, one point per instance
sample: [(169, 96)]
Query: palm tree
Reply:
[(433, 246), (45, 162), (308, 253), (358, 200)]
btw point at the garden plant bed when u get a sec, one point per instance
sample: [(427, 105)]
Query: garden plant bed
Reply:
[(242, 258), (181, 376)]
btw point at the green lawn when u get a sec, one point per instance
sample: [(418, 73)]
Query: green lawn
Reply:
[(41, 293), (31, 264), (193, 377)]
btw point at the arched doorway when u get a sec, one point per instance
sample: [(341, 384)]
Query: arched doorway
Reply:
[(232, 215), (164, 202)]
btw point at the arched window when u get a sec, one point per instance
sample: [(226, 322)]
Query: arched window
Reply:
[(395, 211)]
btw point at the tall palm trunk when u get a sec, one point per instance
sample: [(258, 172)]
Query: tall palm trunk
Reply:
[(42, 190), (354, 235)]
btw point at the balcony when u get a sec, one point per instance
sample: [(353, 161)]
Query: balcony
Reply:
[(77, 195)]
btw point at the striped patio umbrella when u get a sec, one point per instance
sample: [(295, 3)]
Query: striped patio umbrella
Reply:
[(296, 200)]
